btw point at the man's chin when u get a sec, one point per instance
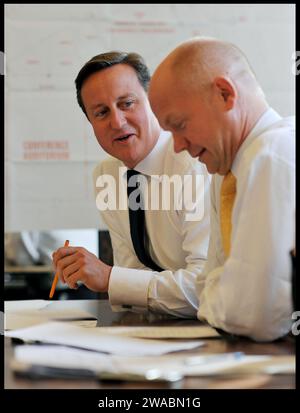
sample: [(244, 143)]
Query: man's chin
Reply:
[(211, 168), (201, 155)]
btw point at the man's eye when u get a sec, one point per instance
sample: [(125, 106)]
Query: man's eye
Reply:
[(101, 113), (127, 104), (179, 125)]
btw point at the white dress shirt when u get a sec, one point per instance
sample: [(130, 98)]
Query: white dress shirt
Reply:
[(178, 245), (250, 292)]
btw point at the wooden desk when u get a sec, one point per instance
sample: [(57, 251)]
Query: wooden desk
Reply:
[(108, 318)]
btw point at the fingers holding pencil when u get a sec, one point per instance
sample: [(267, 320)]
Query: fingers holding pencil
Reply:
[(56, 277)]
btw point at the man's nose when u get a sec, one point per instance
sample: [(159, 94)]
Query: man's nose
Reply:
[(117, 119), (180, 143)]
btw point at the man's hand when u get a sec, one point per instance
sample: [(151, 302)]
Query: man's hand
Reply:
[(77, 264)]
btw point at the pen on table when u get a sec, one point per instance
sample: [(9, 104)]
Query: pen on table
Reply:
[(55, 280), (213, 358)]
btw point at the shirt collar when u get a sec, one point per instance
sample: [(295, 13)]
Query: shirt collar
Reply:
[(269, 117), (153, 164)]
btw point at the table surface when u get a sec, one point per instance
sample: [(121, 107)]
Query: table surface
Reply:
[(214, 345)]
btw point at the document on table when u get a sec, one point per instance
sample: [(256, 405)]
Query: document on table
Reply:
[(269, 365), (226, 364), (24, 313), (93, 339), (187, 332), (24, 305)]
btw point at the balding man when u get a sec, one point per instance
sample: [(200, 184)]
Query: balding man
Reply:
[(206, 93)]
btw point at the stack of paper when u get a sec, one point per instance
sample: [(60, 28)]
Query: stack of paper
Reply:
[(163, 332), (24, 313), (121, 350), (227, 364), (94, 339)]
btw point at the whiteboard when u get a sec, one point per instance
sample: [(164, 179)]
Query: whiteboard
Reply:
[(50, 149)]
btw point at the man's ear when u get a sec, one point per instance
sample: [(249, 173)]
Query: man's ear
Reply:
[(226, 90)]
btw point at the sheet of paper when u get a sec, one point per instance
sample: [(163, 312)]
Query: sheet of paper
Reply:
[(66, 357), (94, 339), (70, 309), (15, 321), (272, 365), (24, 305), (84, 323), (163, 332), (179, 363), (24, 313)]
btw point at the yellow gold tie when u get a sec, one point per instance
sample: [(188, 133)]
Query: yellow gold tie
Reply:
[(228, 191)]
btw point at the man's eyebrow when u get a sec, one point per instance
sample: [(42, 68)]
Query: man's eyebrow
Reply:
[(97, 105), (127, 95)]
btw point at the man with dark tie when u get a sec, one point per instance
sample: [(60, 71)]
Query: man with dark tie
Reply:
[(160, 242), (207, 95)]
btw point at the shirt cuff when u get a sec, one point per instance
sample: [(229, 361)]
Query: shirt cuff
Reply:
[(129, 287)]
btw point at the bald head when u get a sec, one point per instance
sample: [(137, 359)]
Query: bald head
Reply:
[(211, 58), (196, 62), (203, 83)]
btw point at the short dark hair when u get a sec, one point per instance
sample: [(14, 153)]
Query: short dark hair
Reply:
[(104, 60)]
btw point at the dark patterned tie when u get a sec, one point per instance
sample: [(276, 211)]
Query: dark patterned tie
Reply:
[(137, 220)]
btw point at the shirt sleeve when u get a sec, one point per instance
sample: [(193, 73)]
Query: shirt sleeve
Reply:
[(129, 278), (174, 292), (250, 294)]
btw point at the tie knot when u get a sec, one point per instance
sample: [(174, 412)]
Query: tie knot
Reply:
[(132, 172), (229, 184), (134, 180)]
